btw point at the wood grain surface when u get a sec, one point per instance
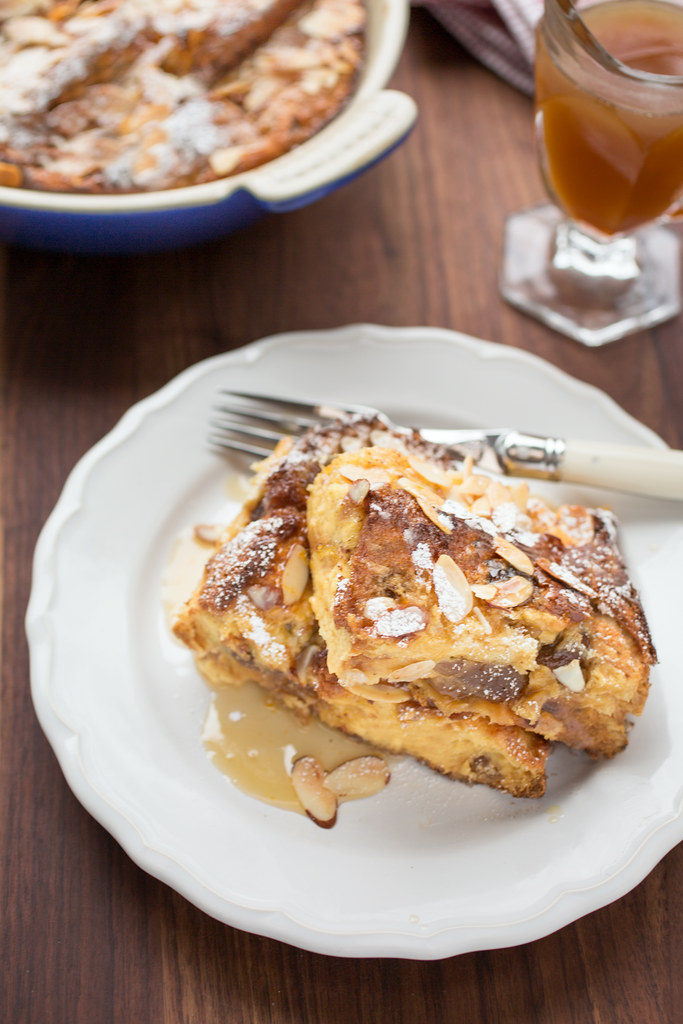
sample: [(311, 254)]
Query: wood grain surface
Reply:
[(86, 937)]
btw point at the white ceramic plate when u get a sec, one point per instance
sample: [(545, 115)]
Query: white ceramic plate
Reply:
[(429, 868)]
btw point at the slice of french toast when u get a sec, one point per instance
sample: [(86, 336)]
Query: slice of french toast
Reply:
[(430, 610)]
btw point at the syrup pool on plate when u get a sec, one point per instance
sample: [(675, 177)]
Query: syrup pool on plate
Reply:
[(247, 736), (255, 742)]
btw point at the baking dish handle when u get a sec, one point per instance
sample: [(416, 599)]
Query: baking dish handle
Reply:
[(349, 145)]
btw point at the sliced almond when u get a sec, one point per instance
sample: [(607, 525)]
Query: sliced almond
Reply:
[(484, 591), (358, 778), (317, 800), (208, 533), (294, 574), (358, 490), (478, 614), (379, 692), (575, 525), (262, 90), (428, 501), (418, 490), (517, 558), (453, 591), (305, 659), (409, 673), (385, 439), (520, 495), (474, 486), (432, 514), (482, 506), (432, 473), (498, 494), (224, 161), (512, 592), (571, 676), (373, 474), (264, 597), (566, 576), (353, 677)]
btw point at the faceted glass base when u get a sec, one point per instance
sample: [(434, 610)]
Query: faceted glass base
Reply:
[(590, 290)]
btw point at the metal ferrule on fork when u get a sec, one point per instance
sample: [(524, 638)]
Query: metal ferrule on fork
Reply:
[(529, 454)]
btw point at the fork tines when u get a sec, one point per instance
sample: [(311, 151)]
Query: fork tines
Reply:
[(254, 424)]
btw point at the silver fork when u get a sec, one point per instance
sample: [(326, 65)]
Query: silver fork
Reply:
[(253, 424)]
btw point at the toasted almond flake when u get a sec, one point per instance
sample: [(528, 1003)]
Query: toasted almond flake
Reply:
[(430, 472), (353, 677), (467, 466), (264, 597), (292, 58), (371, 473), (409, 673), (428, 501), (482, 506), (512, 592), (262, 90), (566, 576), (358, 490), (317, 800), (379, 692), (418, 490), (305, 659), (575, 525), (515, 557), (294, 574), (483, 620), (497, 493), (432, 514), (520, 495), (348, 443), (314, 81), (358, 778), (571, 676), (224, 161), (453, 591), (207, 533), (484, 591), (30, 30), (328, 23), (475, 486)]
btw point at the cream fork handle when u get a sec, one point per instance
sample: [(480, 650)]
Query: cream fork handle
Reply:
[(656, 472)]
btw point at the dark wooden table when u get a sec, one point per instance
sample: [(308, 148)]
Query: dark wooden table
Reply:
[(86, 937)]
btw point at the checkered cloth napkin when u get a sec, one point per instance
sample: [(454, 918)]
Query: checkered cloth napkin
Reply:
[(499, 33)]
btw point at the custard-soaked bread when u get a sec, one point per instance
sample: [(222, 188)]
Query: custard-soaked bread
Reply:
[(431, 611)]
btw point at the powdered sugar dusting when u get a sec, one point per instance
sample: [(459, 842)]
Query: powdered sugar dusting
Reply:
[(452, 602), (398, 622), (254, 628)]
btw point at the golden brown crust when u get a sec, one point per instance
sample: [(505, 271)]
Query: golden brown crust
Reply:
[(447, 616)]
